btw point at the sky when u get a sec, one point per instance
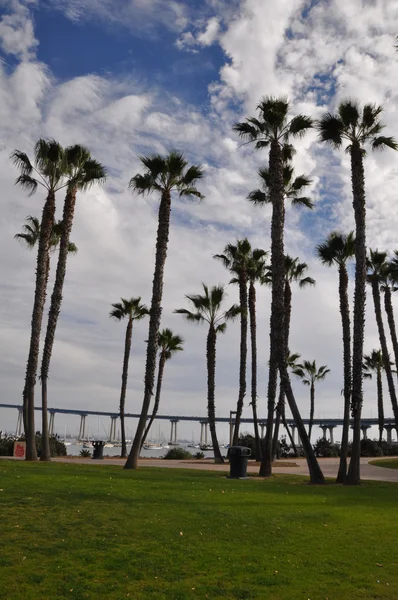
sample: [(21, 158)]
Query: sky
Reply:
[(133, 77)]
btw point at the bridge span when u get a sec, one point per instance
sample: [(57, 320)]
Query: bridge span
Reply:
[(327, 424)]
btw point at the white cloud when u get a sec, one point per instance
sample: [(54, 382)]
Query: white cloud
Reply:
[(16, 31), (327, 54)]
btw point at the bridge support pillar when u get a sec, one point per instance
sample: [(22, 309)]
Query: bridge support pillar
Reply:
[(324, 430), (262, 425), (364, 429), (18, 431), (293, 428), (331, 438), (389, 429), (173, 431), (51, 424), (82, 429), (112, 430), (203, 432)]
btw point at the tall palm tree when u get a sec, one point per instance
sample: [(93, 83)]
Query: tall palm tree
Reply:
[(309, 374), (374, 362), (236, 259), (256, 271), (83, 172), (208, 309), (168, 344), (274, 129), (163, 174), (133, 310), (336, 250), (294, 273), (358, 128), (47, 170), (377, 269), (389, 286)]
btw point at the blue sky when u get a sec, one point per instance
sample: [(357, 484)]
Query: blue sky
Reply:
[(126, 78)]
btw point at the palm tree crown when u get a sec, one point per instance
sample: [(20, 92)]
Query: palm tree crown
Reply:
[(131, 308), (309, 372), (169, 343), (355, 126), (163, 174), (293, 187), (337, 248), (373, 362), (208, 308), (236, 257), (378, 267), (31, 233), (273, 124), (48, 170), (295, 271), (82, 170)]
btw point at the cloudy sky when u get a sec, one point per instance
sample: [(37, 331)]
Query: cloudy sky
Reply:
[(132, 77)]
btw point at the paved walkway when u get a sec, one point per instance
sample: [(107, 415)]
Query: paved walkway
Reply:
[(329, 466)]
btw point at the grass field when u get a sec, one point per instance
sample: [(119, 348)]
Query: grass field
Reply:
[(388, 463), (98, 532)]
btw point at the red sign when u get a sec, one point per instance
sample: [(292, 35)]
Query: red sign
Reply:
[(20, 449)]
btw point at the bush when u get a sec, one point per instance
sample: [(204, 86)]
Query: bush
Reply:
[(178, 454), (388, 449), (199, 455), (57, 448), (370, 448), (85, 453), (249, 441), (325, 449)]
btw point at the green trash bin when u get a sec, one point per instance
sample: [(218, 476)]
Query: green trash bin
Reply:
[(98, 451), (238, 456)]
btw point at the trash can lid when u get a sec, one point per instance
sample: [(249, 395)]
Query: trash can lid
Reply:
[(239, 451)]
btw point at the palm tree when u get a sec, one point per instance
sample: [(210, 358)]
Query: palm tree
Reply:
[(31, 233), (47, 170), (208, 309), (256, 270), (294, 273), (374, 362), (134, 311), (163, 174), (310, 374), (358, 128), (274, 129), (377, 269), (168, 344), (236, 260), (389, 286), (82, 172), (337, 249)]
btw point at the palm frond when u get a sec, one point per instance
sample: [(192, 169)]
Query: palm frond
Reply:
[(382, 142), (246, 131), (349, 113), (303, 201), (27, 183), (331, 130), (299, 125), (232, 313), (22, 162), (259, 198), (190, 316)]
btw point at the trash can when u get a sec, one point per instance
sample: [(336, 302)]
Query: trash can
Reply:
[(98, 451), (238, 456)]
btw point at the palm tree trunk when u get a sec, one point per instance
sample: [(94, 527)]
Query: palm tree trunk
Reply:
[(289, 433), (211, 387), (312, 409), (345, 321), (380, 407), (243, 354), (162, 362), (280, 409), (316, 475), (46, 228), (384, 349), (126, 357), (391, 323), (55, 308), (154, 324), (253, 339), (359, 204), (277, 321)]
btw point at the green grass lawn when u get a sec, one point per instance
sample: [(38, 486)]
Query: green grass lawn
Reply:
[(388, 463), (98, 532)]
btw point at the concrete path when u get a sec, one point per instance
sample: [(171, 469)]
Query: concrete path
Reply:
[(329, 466)]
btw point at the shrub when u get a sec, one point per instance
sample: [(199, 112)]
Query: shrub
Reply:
[(199, 455), (249, 441), (85, 453), (6, 446), (178, 454), (388, 449), (325, 449), (370, 448), (57, 448)]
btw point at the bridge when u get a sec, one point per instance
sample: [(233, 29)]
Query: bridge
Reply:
[(324, 424)]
